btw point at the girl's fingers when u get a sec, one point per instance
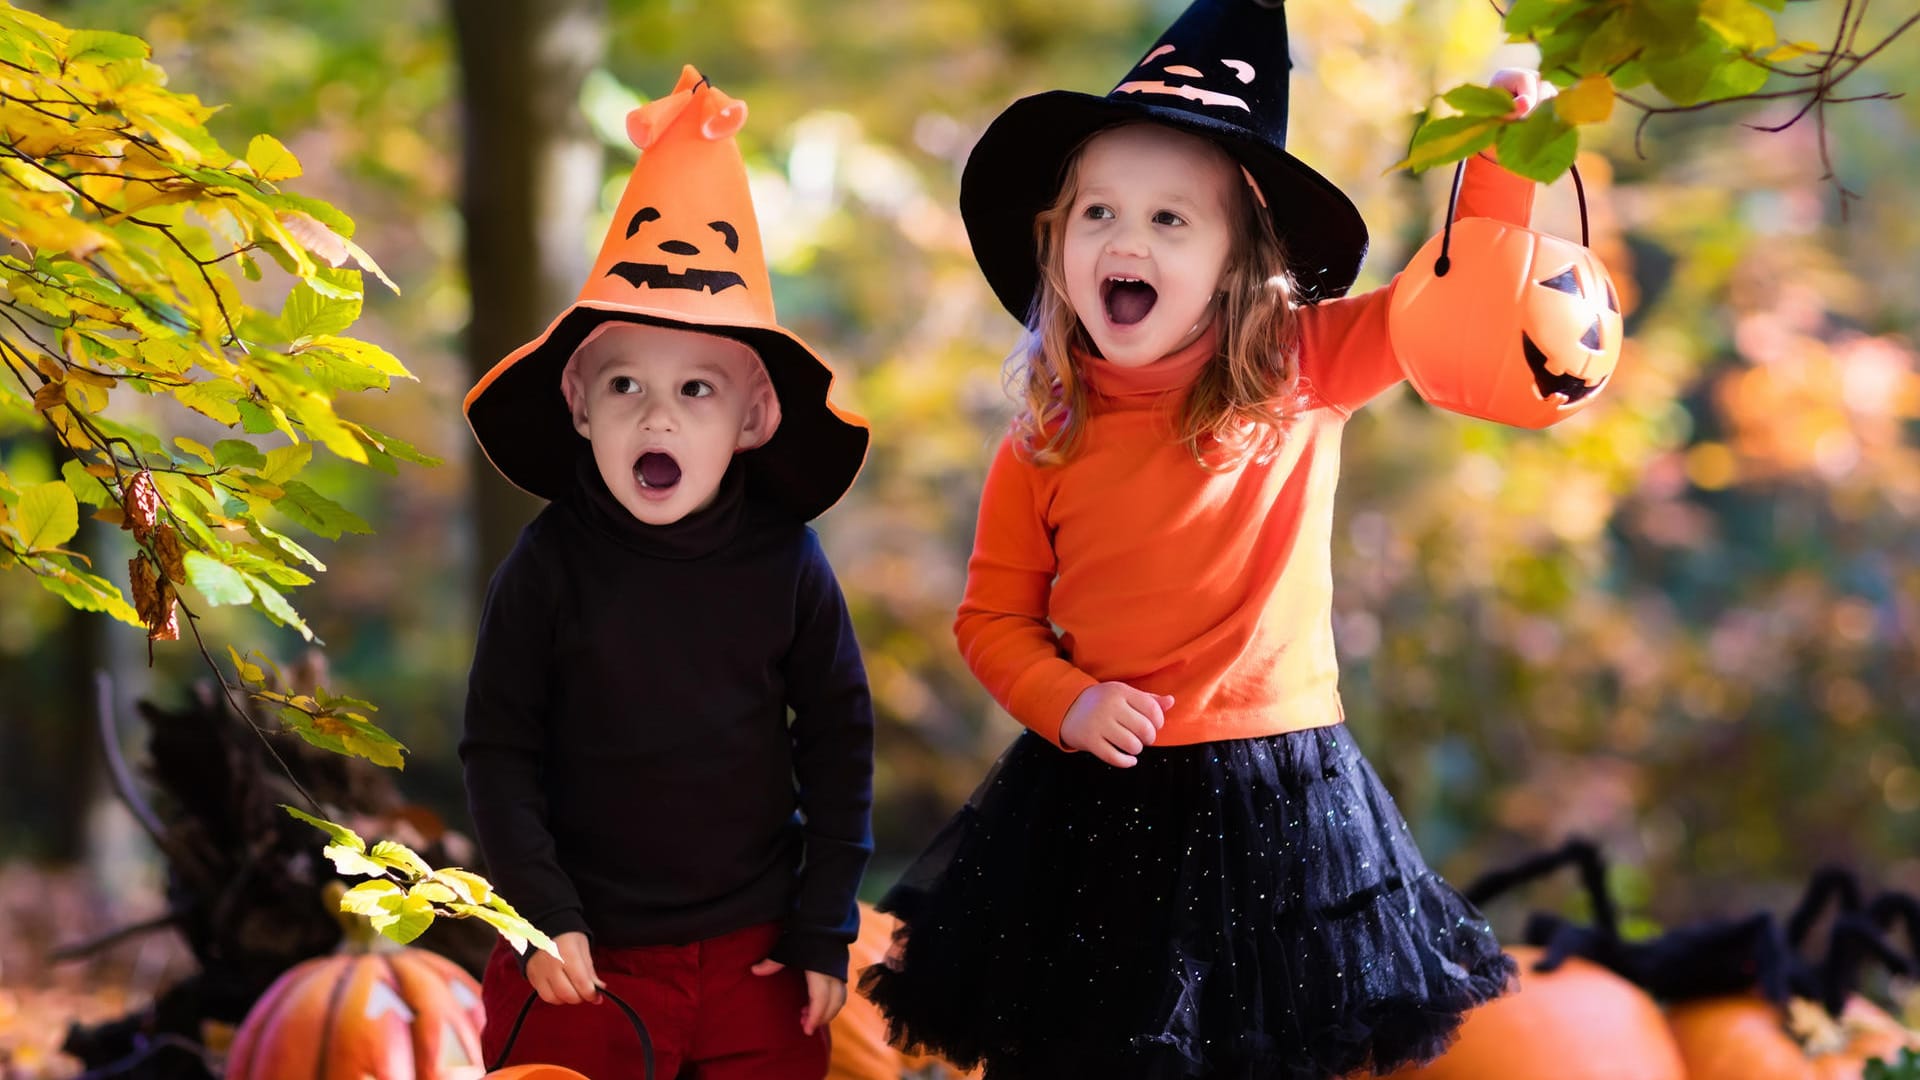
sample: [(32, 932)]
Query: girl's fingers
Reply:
[(1114, 756)]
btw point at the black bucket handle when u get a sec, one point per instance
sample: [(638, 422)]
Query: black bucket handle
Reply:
[(1444, 263), (639, 1028)]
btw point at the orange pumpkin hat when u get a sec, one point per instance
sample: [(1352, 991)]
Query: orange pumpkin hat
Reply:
[(683, 252)]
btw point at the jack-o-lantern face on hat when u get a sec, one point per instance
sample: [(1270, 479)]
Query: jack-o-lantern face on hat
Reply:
[(1521, 328), (1212, 82), (675, 251)]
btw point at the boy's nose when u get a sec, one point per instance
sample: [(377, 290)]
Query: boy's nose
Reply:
[(656, 415)]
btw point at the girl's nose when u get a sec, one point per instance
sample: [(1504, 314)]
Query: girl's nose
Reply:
[(1127, 240)]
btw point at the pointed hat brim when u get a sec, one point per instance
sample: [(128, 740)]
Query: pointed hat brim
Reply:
[(520, 417)]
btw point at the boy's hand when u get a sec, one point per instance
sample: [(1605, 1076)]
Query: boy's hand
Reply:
[(1114, 722), (825, 995), (1526, 86), (569, 980)]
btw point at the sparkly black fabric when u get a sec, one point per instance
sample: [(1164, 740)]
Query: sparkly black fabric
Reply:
[(1248, 908)]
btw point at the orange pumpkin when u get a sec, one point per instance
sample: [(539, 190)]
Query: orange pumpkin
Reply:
[(374, 1011), (1748, 1038), (1576, 1022), (860, 1048), (536, 1072), (1497, 321)]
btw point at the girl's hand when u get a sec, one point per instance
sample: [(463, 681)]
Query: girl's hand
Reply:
[(825, 996), (1526, 86), (569, 980), (1114, 722)]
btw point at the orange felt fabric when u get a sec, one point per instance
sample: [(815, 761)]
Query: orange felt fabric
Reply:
[(1214, 587)]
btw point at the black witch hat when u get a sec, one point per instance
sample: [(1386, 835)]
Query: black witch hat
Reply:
[(1220, 72)]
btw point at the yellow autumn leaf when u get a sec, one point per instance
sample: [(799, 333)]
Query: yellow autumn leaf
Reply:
[(1589, 101), (271, 160)]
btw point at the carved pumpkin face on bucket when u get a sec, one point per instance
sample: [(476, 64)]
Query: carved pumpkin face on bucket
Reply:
[(1521, 328)]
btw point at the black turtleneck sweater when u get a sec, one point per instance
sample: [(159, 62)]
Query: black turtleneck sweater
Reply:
[(631, 764)]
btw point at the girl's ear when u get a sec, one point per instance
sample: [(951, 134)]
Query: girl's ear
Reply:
[(763, 412)]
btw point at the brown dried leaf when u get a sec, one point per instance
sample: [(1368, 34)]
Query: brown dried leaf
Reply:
[(142, 506), (166, 546), (50, 395)]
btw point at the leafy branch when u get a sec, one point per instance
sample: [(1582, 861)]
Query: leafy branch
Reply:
[(1695, 54), (122, 220)]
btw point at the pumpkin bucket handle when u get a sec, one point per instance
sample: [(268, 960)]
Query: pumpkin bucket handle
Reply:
[(639, 1028), (1445, 263)]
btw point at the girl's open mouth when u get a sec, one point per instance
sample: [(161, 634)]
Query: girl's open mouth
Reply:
[(657, 471), (1128, 299)]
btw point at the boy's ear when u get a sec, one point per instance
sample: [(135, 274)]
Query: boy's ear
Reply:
[(574, 388), (763, 413)]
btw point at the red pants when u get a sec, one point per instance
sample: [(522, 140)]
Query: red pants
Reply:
[(710, 1017)]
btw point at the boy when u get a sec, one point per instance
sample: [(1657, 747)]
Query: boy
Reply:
[(635, 782)]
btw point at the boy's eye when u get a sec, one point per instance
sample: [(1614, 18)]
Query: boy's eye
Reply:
[(1168, 217), (697, 388), (624, 384), (1096, 212)]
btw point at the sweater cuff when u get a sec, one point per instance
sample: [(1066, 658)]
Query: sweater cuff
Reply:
[(1042, 704), (812, 952)]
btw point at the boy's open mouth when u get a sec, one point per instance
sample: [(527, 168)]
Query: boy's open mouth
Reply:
[(656, 471), (1128, 299)]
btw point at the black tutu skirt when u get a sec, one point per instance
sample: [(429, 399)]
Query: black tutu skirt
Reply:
[(1247, 908)]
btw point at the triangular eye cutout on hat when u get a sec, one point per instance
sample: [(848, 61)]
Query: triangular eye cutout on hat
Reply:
[(1221, 72), (683, 250)]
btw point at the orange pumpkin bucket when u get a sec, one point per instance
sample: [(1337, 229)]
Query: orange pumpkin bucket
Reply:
[(1497, 321), (502, 1071)]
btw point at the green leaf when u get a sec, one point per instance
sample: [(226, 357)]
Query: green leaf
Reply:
[(1473, 100), (219, 583), (105, 45), (285, 462), (85, 486), (276, 606), (352, 863), (47, 516), (1440, 142), (228, 453), (370, 898), (1734, 79), (1540, 148), (271, 160), (401, 857), (1527, 18), (407, 916), (318, 513), (308, 314), (83, 590), (339, 834), (518, 932)]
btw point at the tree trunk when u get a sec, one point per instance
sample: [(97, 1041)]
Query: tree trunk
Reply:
[(532, 170)]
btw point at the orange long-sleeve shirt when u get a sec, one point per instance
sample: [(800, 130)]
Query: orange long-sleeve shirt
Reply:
[(1214, 587)]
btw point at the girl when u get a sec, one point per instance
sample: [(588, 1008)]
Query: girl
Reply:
[(1185, 867)]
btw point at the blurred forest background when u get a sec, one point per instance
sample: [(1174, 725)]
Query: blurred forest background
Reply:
[(1686, 622)]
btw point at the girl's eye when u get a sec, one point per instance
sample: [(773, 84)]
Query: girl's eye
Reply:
[(1168, 217), (624, 384), (1096, 212), (697, 388)]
